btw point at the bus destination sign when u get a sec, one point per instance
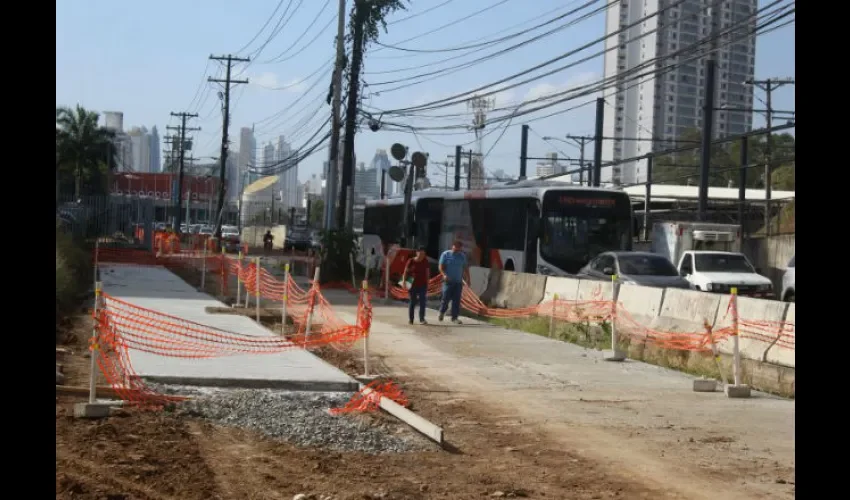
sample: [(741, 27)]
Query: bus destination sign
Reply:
[(587, 202)]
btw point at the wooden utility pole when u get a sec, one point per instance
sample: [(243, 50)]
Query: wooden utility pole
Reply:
[(181, 130), (225, 97)]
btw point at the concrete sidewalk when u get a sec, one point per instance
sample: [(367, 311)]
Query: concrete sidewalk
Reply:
[(160, 290)]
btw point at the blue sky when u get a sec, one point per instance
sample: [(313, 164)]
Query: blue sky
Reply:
[(148, 59)]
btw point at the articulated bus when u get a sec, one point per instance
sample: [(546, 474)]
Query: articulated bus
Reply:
[(529, 226)]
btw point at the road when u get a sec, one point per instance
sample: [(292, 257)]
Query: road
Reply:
[(642, 422)]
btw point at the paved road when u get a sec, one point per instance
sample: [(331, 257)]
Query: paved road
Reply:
[(643, 421)]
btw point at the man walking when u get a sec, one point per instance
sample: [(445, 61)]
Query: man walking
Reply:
[(453, 268), (418, 268)]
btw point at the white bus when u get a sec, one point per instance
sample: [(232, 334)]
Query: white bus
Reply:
[(529, 226)]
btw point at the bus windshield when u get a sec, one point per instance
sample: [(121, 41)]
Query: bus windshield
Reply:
[(578, 225)]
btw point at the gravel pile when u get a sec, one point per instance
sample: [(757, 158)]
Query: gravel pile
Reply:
[(301, 418)]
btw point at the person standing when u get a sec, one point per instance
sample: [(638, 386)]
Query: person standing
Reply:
[(453, 268), (418, 268)]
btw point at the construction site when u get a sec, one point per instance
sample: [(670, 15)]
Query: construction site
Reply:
[(220, 377)]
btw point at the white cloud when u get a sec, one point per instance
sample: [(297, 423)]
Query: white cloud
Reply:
[(546, 89), (269, 80)]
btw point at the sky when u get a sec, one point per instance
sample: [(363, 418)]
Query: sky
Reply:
[(150, 59)]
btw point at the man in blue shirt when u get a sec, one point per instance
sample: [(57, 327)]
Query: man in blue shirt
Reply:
[(453, 268)]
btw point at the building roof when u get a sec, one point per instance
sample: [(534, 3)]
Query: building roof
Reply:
[(261, 184), (666, 192)]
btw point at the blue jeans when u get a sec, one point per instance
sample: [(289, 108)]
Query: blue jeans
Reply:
[(451, 292), (417, 296)]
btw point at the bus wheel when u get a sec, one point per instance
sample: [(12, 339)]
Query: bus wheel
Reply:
[(509, 265)]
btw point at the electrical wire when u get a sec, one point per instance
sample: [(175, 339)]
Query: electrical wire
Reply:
[(257, 35), (280, 56)]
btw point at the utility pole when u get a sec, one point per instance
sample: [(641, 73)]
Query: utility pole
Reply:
[(768, 86), (581, 141), (336, 121), (458, 153), (228, 82), (181, 131), (707, 132), (523, 153), (597, 144)]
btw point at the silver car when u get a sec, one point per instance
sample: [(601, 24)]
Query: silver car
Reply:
[(638, 268), (788, 291)]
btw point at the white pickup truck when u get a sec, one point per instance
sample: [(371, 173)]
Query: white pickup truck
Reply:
[(719, 272)]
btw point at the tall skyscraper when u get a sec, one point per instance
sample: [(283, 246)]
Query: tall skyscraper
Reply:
[(156, 165), (381, 164), (662, 107), (141, 149), (366, 183), (288, 184)]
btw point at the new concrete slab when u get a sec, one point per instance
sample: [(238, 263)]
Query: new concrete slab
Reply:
[(160, 290)]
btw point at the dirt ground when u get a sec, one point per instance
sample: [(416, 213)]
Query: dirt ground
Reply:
[(158, 455)]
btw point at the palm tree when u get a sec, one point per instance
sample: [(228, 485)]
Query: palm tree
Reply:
[(83, 149)]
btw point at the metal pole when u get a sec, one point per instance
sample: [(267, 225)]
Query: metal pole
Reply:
[(94, 347), (363, 292), (742, 183), (204, 266), (736, 366), (408, 194), (597, 144), (469, 172), (458, 153), (647, 202), (387, 277), (351, 263), (707, 132), (311, 305), (768, 167), (239, 281), (581, 163), (616, 353), (523, 153)]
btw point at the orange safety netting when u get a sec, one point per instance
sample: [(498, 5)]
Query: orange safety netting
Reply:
[(368, 399), (122, 326)]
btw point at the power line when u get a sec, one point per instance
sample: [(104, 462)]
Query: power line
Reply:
[(278, 57)]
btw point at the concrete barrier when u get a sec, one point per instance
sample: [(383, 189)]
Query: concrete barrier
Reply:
[(478, 279), (513, 290), (686, 311), (566, 288), (778, 354), (589, 290), (639, 305), (754, 310)]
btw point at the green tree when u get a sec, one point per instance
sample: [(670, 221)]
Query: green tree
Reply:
[(683, 167), (367, 16), (83, 150)]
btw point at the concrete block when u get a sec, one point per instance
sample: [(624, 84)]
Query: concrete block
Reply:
[(98, 409), (640, 306), (750, 309), (705, 385), (737, 391), (685, 311), (478, 278), (566, 288), (615, 355), (591, 290), (513, 290), (779, 354)]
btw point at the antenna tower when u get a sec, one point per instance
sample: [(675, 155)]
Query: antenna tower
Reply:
[(479, 107)]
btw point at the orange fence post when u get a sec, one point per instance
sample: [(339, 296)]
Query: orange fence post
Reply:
[(362, 301), (311, 305), (257, 288), (285, 299), (739, 390), (239, 281), (94, 347)]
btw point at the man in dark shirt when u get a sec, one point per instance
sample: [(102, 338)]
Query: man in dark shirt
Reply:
[(418, 269)]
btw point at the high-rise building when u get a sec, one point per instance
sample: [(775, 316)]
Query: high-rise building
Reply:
[(141, 149), (655, 111), (155, 164), (366, 183), (381, 164), (246, 159), (288, 172), (550, 166)]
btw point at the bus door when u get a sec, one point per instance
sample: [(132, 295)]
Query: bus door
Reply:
[(532, 232)]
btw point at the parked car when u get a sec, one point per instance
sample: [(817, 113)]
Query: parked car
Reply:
[(720, 272), (638, 268), (788, 290), (230, 239)]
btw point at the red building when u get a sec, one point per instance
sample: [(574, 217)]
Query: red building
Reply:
[(164, 186)]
